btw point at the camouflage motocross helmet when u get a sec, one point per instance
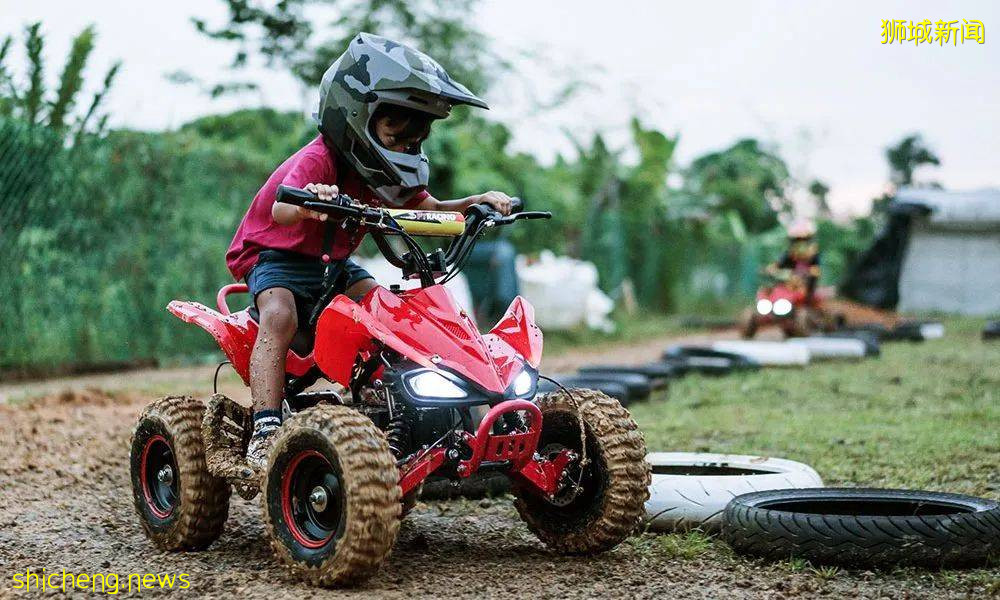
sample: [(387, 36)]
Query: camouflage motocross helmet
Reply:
[(375, 71)]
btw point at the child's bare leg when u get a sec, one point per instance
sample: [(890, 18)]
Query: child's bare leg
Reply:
[(278, 322)]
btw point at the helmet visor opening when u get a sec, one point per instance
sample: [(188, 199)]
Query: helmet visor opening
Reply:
[(399, 128)]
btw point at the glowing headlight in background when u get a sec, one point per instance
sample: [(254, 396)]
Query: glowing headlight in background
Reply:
[(782, 307), (763, 306), (429, 384), (523, 384)]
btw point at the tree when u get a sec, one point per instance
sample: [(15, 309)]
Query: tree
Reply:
[(819, 190), (746, 179), (906, 156), (286, 37), (26, 101)]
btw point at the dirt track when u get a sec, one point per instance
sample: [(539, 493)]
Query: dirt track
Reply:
[(65, 503)]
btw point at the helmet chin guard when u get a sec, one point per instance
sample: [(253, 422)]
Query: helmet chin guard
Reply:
[(374, 71)]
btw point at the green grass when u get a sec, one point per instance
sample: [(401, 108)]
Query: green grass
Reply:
[(922, 416)]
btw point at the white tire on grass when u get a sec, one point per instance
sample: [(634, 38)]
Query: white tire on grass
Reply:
[(690, 490), (823, 348), (768, 354)]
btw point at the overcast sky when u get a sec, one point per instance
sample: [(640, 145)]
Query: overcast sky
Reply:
[(811, 77)]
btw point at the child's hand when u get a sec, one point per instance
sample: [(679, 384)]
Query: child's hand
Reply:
[(498, 200), (323, 192)]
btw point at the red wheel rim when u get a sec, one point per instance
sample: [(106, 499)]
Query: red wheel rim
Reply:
[(159, 484), (312, 525)]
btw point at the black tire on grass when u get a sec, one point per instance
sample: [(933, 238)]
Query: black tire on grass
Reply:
[(865, 527), (638, 386), (616, 390)]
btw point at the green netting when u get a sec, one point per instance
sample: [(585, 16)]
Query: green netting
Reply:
[(96, 239)]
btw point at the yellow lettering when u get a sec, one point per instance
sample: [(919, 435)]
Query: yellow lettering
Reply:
[(164, 577), (115, 587), (27, 578), (184, 581), (64, 576), (48, 580), (151, 579), (82, 580), (93, 582), (19, 584), (138, 582)]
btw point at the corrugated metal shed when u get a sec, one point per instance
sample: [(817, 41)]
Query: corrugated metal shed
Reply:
[(952, 261), (979, 209)]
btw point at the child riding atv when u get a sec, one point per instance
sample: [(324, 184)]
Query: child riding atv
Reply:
[(788, 299), (343, 469), (369, 148), (800, 264)]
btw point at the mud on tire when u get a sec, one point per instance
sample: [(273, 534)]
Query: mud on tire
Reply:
[(180, 504), (344, 539), (615, 482)]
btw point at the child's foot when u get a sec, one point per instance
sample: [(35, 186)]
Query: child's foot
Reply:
[(265, 426)]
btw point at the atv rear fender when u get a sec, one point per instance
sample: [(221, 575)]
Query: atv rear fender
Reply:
[(234, 332)]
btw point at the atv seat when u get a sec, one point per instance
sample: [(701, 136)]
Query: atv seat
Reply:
[(302, 342)]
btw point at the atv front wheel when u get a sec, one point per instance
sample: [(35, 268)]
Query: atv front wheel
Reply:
[(181, 505), (614, 484), (331, 496)]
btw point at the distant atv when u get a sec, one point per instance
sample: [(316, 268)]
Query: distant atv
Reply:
[(343, 471), (783, 302)]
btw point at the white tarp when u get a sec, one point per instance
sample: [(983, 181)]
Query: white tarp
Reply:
[(564, 292)]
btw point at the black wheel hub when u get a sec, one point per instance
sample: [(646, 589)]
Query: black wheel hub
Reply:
[(160, 477), (313, 499)]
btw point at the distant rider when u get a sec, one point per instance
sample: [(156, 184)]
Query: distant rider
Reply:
[(801, 261)]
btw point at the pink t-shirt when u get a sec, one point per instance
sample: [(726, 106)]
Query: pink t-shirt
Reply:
[(314, 163)]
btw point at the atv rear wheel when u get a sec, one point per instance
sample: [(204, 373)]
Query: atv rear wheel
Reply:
[(181, 505), (331, 496), (614, 483)]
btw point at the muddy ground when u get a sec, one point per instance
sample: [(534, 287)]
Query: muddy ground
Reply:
[(66, 503)]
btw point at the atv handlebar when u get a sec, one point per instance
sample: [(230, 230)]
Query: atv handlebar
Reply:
[(478, 218)]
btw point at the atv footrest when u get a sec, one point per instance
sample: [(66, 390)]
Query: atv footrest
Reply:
[(226, 429)]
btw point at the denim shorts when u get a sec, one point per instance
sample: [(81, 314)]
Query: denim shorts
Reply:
[(302, 275)]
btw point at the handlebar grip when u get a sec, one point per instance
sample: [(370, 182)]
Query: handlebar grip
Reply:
[(516, 205), (293, 195), (299, 197)]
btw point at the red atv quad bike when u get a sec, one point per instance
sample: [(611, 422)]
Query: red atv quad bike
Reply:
[(783, 302), (344, 469)]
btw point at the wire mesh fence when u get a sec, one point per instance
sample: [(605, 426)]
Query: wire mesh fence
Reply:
[(96, 238)]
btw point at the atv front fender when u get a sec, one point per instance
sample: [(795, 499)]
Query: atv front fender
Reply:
[(518, 331), (345, 330)]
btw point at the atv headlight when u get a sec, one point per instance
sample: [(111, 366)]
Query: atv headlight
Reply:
[(524, 384), (432, 384), (782, 306), (763, 306)]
